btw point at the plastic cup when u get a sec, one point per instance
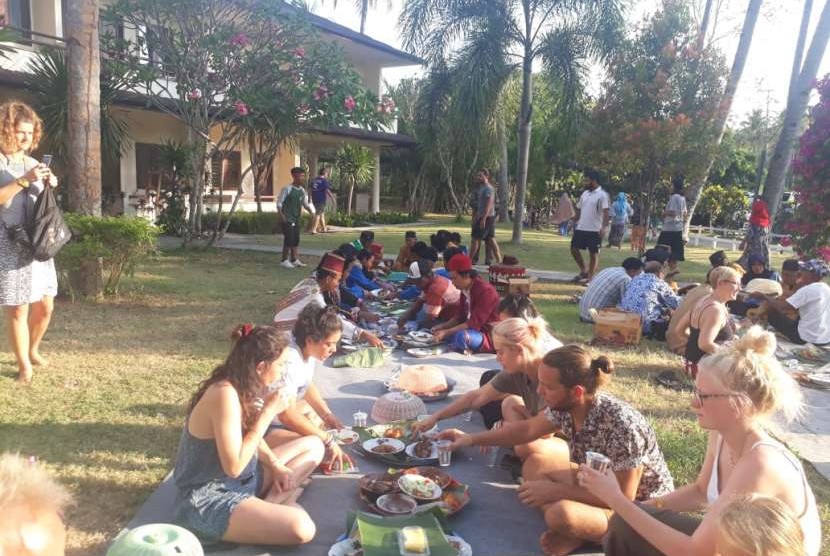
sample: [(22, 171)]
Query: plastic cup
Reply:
[(493, 456), (359, 418), (597, 461), (444, 452)]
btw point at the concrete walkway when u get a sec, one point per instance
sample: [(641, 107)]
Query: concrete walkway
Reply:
[(810, 437)]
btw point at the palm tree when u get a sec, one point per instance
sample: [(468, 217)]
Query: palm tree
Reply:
[(363, 7), (83, 64), (356, 164), (803, 75), (499, 37)]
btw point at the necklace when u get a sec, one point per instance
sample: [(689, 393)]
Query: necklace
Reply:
[(735, 456)]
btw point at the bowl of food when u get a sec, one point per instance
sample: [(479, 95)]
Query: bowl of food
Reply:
[(419, 487), (384, 446), (425, 449), (345, 437), (397, 503), (439, 476)]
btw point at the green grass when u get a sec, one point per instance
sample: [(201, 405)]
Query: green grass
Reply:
[(543, 250), (106, 415)]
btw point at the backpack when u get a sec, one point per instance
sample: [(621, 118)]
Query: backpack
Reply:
[(48, 231)]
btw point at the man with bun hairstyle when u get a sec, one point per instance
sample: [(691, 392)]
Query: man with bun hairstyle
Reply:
[(471, 330), (584, 420)]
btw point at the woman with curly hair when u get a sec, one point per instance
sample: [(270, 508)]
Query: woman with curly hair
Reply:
[(231, 485), (27, 286)]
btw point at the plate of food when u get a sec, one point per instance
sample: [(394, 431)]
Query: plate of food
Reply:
[(384, 446), (422, 336), (396, 503), (389, 344), (352, 547), (440, 476), (345, 436), (379, 483), (420, 487), (420, 352), (425, 449)]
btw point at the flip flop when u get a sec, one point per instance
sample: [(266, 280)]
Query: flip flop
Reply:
[(670, 380), (579, 277)]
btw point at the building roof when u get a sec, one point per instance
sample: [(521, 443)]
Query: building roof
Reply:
[(374, 136), (344, 32)]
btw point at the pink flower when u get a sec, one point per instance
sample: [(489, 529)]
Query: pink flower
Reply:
[(349, 103), (240, 40), (321, 92), (299, 52), (786, 241), (304, 108), (824, 253), (241, 108), (195, 94)]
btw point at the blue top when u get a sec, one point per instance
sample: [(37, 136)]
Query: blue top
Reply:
[(319, 187), (356, 277), (441, 272)]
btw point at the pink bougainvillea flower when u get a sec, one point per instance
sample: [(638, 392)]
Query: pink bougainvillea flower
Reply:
[(195, 94), (349, 103), (241, 40), (241, 108), (299, 52)]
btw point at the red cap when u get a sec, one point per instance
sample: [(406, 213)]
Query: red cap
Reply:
[(376, 249), (332, 263), (460, 263)]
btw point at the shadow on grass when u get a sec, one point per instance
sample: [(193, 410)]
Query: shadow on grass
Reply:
[(167, 410)]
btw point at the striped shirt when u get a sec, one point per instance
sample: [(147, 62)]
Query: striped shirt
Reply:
[(605, 290)]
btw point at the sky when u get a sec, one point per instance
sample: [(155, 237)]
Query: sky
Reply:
[(766, 75)]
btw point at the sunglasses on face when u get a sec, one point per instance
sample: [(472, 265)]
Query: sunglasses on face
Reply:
[(700, 397)]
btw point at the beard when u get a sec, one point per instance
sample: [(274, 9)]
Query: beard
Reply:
[(565, 405)]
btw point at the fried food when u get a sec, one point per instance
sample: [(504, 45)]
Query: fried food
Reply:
[(395, 432), (423, 449)]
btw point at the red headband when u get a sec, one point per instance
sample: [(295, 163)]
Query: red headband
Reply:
[(246, 329)]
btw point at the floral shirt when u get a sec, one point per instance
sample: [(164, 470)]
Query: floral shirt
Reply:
[(647, 295), (621, 433)]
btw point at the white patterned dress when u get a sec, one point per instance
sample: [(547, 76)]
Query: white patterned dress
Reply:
[(23, 280)]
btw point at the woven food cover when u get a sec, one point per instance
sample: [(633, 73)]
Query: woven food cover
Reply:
[(397, 406), (422, 379)]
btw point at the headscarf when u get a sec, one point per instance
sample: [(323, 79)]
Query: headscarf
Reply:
[(760, 214), (621, 205), (565, 210)]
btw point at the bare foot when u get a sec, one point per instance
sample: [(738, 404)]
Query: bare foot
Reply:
[(24, 376), (38, 360), (557, 546), (295, 495)]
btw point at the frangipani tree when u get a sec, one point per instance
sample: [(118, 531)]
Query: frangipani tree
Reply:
[(232, 69)]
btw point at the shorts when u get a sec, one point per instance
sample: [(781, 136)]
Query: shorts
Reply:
[(290, 234), (320, 206), (675, 241), (485, 232), (583, 239)]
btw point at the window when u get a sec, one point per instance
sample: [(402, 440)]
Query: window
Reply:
[(149, 168), (226, 170), (112, 36), (20, 15)]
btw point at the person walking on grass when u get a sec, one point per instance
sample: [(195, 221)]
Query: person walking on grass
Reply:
[(484, 220), (293, 199), (320, 193), (591, 223), (673, 217), (27, 287)]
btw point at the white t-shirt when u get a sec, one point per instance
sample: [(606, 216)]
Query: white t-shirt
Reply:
[(298, 374), (591, 205), (676, 204), (813, 304)]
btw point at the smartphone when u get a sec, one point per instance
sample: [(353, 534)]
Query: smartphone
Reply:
[(47, 160)]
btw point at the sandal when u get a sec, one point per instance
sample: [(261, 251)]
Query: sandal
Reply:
[(579, 277), (669, 379)]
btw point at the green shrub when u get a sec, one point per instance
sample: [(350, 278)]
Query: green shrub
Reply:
[(121, 242), (260, 223), (358, 220)]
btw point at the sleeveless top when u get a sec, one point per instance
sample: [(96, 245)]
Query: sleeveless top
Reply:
[(808, 518), (693, 352)]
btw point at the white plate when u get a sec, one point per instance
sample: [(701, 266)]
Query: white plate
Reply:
[(405, 503), (420, 352), (408, 484), (820, 380), (394, 442), (422, 336), (410, 451), (346, 437)]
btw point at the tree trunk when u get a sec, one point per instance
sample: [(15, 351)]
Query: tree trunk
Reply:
[(796, 107), (738, 64), (504, 175), (364, 10), (351, 194), (83, 64), (525, 129), (704, 25), (799, 47)]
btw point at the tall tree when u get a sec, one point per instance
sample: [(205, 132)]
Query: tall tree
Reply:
[(363, 7), (562, 34), (84, 106), (796, 108), (701, 175)]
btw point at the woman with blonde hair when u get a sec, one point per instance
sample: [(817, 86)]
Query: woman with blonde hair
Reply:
[(737, 390), (759, 526), (27, 286), (520, 346), (708, 322)]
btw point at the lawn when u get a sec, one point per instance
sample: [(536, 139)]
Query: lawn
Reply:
[(106, 415), (542, 249)]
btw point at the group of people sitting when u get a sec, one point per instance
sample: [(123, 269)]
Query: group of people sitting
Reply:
[(694, 319)]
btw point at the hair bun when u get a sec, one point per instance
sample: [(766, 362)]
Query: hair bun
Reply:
[(237, 332), (602, 363), (756, 340)]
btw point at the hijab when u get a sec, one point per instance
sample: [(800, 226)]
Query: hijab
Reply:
[(621, 205), (760, 213)]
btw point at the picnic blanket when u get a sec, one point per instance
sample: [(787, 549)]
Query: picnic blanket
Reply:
[(494, 523)]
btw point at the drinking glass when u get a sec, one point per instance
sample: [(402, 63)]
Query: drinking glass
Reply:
[(444, 452), (597, 461), (359, 418)]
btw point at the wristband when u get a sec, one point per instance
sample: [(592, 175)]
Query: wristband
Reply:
[(22, 183)]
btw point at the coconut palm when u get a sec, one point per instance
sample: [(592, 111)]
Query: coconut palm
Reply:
[(498, 37), (363, 7), (356, 164)]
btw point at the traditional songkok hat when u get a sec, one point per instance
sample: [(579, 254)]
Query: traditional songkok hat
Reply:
[(332, 263)]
